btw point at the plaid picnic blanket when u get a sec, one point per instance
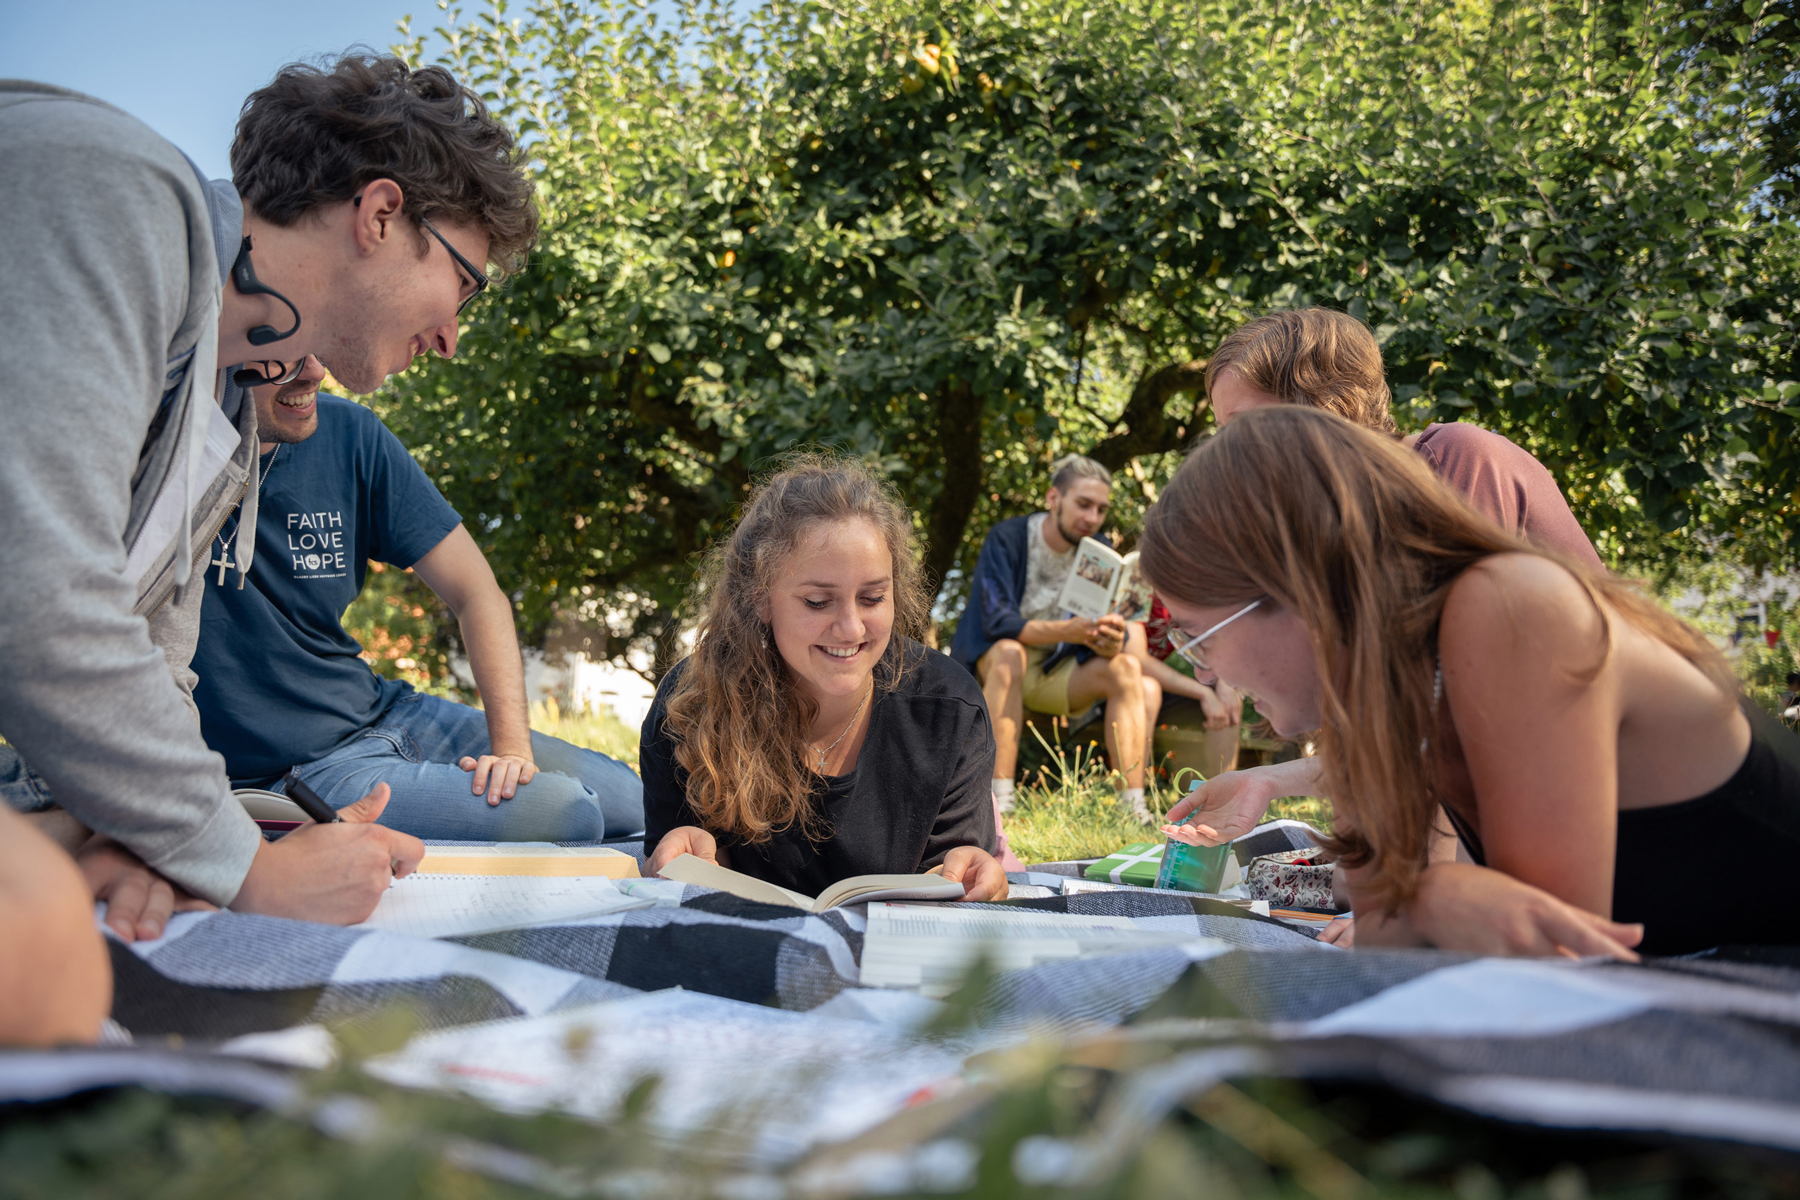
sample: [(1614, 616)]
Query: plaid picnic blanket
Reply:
[(1703, 1047)]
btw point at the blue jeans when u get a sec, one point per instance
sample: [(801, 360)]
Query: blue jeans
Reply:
[(576, 796)]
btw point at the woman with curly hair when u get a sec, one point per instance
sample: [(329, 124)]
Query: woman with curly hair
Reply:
[(1592, 751), (810, 737)]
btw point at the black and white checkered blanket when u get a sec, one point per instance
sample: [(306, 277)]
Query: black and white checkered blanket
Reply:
[(1705, 1047)]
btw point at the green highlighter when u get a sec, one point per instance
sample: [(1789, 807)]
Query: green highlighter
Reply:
[(1192, 868)]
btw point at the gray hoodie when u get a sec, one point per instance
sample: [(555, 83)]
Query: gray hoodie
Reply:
[(110, 253)]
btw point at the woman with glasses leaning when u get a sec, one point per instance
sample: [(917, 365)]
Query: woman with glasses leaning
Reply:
[(1326, 571)]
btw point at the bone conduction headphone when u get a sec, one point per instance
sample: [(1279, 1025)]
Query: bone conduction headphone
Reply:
[(243, 277)]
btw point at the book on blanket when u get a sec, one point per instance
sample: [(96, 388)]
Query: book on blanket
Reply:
[(1104, 581), (858, 889)]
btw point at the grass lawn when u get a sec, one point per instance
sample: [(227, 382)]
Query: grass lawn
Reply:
[(1079, 816), (1056, 819)]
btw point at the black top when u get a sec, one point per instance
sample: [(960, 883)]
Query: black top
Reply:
[(922, 785), (1714, 870)]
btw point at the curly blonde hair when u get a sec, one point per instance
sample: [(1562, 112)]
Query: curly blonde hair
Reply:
[(736, 716)]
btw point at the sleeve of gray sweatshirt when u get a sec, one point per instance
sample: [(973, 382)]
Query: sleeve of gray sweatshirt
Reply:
[(101, 222)]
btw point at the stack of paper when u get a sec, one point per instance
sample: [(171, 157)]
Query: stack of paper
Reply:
[(931, 947)]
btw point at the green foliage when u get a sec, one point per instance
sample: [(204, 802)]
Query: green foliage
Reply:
[(592, 729), (1246, 1140), (907, 229), (404, 629)]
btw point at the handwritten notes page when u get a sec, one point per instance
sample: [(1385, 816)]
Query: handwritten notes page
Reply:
[(431, 905), (930, 947), (757, 1079)]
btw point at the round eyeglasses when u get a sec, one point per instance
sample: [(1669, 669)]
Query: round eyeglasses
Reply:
[(1190, 649)]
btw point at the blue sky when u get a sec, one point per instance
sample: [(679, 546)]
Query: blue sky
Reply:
[(185, 66)]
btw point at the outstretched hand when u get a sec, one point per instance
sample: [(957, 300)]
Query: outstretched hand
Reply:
[(1460, 906), (980, 873), (1228, 806)]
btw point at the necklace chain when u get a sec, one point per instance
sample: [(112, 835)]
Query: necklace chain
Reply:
[(826, 752), (261, 483)]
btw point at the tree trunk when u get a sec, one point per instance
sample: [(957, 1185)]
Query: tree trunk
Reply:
[(959, 433)]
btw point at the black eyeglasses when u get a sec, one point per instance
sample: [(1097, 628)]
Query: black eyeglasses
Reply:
[(469, 268), (480, 277)]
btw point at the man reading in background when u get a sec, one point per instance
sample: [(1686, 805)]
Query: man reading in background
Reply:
[(1029, 654)]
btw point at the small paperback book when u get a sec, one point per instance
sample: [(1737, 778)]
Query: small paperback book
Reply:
[(858, 889), (1103, 581)]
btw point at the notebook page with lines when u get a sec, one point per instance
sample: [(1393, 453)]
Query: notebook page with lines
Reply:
[(433, 905), (930, 948)]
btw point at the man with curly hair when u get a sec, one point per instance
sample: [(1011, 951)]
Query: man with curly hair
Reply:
[(370, 204)]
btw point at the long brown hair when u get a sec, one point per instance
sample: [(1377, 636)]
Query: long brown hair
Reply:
[(736, 716), (1313, 356), (1352, 532)]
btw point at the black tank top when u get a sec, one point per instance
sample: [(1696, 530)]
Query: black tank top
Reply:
[(1717, 870)]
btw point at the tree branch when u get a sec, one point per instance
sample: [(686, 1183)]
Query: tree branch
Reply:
[(1145, 427)]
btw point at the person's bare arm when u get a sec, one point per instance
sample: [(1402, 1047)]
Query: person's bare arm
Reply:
[(55, 980), (1518, 640), (1220, 705), (459, 573), (1230, 805), (1460, 906)]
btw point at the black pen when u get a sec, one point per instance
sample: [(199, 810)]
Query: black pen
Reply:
[(310, 802)]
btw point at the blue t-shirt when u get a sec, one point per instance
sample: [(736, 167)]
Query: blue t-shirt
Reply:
[(281, 682)]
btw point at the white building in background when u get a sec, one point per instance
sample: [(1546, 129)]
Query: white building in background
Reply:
[(577, 682)]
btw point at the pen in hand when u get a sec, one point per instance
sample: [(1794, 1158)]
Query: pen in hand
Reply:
[(310, 802)]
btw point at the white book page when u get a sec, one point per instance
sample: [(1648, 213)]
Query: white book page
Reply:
[(437, 906), (861, 889), (930, 948), (1132, 598), (1089, 590), (686, 868)]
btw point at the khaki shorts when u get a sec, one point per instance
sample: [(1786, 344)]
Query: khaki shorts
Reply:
[(1047, 693)]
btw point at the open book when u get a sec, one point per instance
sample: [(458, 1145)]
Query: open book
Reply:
[(858, 889), (1103, 581), (273, 813)]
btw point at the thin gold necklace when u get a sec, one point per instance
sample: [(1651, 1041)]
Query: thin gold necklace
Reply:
[(854, 717)]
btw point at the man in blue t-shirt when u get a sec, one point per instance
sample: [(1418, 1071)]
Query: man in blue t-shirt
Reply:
[(282, 684)]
